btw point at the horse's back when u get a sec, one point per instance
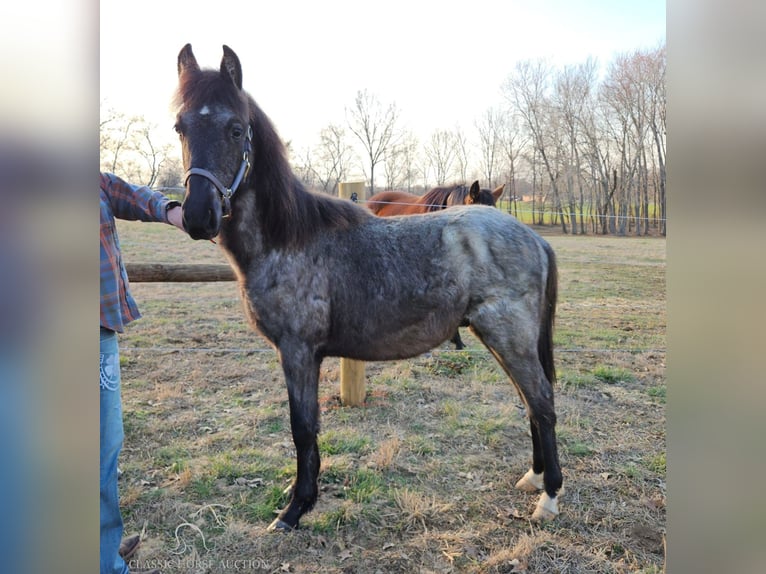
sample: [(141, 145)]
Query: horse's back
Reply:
[(462, 239), (387, 203), (503, 236)]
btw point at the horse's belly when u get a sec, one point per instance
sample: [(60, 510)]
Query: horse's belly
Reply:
[(381, 337)]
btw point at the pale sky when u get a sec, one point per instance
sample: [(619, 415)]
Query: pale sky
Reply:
[(442, 63)]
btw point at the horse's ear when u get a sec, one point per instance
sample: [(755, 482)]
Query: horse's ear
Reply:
[(186, 60), (475, 190), (230, 66), (498, 191)]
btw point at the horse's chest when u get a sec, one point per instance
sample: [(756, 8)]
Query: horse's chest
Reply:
[(290, 301)]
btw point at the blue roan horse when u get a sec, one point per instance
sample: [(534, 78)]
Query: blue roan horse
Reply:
[(323, 277)]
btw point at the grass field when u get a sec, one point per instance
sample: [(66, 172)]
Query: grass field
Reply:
[(528, 213), (421, 478)]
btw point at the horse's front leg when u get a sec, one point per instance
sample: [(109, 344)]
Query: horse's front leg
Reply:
[(301, 368)]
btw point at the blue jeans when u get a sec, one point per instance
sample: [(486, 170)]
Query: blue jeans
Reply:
[(111, 442)]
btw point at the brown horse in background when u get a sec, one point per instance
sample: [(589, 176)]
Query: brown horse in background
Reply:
[(388, 203)]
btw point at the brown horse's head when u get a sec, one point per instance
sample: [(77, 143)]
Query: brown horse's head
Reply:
[(477, 196)]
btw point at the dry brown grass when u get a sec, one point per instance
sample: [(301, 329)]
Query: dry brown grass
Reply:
[(420, 479)]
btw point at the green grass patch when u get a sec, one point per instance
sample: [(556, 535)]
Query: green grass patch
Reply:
[(658, 392), (272, 425), (576, 380), (134, 421), (452, 363), (174, 457), (265, 508), (421, 445), (489, 429), (577, 448), (202, 488), (335, 472), (658, 463), (334, 442), (224, 467), (364, 486), (247, 463), (612, 375), (572, 445), (347, 514)]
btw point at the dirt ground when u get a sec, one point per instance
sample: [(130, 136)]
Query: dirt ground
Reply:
[(421, 478)]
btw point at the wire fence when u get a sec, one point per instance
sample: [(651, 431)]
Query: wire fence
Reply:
[(579, 214), (435, 351)]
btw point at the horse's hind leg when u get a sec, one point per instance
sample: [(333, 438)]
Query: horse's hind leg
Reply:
[(532, 481), (519, 358), (301, 370), (457, 341)]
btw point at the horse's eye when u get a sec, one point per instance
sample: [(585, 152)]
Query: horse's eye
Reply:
[(236, 132), (178, 129)]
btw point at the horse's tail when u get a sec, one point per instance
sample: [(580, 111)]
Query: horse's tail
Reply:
[(545, 338)]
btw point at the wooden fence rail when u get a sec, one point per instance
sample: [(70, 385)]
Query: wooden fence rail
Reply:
[(177, 273)]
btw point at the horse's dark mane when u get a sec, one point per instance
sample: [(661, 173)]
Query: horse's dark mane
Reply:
[(289, 215), (436, 199)]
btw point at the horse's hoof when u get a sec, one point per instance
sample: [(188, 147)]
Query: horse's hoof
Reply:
[(279, 526), (531, 482), (547, 509)]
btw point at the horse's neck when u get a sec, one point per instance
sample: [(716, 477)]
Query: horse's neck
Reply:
[(241, 237)]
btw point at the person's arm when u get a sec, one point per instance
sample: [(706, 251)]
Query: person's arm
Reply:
[(133, 202), (174, 215)]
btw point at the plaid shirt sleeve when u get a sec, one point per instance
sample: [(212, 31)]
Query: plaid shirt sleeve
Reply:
[(119, 199)]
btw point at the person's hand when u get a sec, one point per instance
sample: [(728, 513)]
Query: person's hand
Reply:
[(175, 217)]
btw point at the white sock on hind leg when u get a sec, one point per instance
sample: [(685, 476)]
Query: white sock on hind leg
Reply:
[(547, 508), (530, 482)]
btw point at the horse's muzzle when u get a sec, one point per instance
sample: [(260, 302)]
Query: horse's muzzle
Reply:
[(201, 209)]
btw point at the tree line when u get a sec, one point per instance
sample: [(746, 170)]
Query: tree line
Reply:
[(576, 150)]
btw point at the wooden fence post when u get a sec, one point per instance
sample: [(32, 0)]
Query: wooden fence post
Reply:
[(352, 375)]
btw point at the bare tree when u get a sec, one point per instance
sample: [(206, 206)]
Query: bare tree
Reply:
[(129, 146), (375, 127), (510, 142), (441, 151), (114, 136), (527, 90), (409, 154), (462, 157), (153, 155), (400, 163), (333, 156), (599, 162), (304, 168), (572, 96), (489, 126), (170, 176), (632, 105), (657, 114)]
